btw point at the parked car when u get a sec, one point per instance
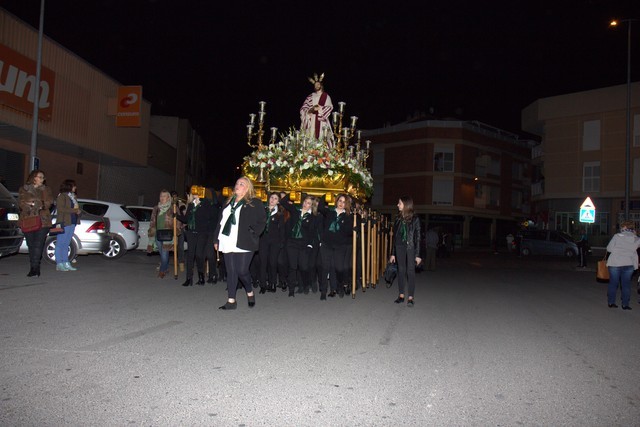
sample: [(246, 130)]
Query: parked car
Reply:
[(143, 215), (10, 235), (547, 242), (91, 236), (123, 225)]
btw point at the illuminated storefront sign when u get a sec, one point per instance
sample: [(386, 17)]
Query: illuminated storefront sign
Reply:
[(18, 80), (129, 103)]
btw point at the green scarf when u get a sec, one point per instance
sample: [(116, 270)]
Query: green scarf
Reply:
[(296, 233), (266, 228), (191, 221), (232, 216), (335, 225), (403, 231)]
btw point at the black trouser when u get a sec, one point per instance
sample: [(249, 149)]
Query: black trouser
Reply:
[(35, 242), (237, 264), (583, 255), (298, 254), (268, 253), (181, 247), (406, 259), (210, 255), (335, 264), (196, 245)]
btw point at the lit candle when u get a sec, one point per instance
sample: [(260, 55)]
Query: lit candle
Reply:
[(252, 119), (335, 117), (351, 151), (359, 135), (297, 136), (353, 121), (368, 143), (261, 116), (262, 104), (345, 133), (249, 129), (341, 104), (273, 133)]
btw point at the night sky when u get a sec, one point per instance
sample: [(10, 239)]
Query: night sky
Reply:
[(212, 61)]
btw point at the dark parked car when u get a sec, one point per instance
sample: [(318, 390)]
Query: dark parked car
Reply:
[(547, 242), (10, 234)]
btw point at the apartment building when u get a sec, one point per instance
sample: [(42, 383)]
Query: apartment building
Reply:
[(469, 179), (582, 154)]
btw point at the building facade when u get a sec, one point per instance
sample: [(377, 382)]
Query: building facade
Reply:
[(582, 154), (470, 180), (77, 134)]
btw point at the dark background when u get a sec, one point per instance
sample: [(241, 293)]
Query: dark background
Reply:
[(211, 62)]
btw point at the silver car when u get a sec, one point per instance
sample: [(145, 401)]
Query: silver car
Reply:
[(122, 224)]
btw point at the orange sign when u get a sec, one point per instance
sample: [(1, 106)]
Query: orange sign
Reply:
[(129, 106), (18, 81)]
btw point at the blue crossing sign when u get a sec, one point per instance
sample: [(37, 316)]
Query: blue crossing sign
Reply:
[(587, 211)]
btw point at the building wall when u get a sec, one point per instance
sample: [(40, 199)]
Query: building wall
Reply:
[(80, 136), (403, 159)]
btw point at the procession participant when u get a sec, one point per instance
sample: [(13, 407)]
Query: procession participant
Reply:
[(238, 237), (302, 237), (405, 249), (315, 112), (335, 246), (271, 243), (199, 219)]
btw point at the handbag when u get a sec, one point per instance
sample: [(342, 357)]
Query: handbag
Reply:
[(602, 272), (58, 228), (390, 273), (30, 224), (164, 235)]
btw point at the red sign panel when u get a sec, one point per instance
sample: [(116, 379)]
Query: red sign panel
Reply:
[(129, 103), (18, 83)]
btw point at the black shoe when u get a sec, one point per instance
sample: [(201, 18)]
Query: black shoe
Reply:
[(291, 293), (626, 307), (200, 279), (341, 292), (256, 284), (410, 303), (613, 306), (323, 296), (212, 279), (32, 273), (263, 290), (252, 300), (399, 300), (188, 282), (332, 294), (229, 306)]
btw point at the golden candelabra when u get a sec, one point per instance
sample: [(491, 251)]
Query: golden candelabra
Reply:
[(259, 133)]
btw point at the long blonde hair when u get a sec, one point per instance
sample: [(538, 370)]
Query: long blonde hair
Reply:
[(249, 195)]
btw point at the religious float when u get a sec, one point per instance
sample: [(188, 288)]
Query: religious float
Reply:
[(323, 162)]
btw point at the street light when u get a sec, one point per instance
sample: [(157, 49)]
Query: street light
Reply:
[(627, 152)]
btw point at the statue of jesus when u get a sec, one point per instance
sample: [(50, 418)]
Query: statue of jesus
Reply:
[(315, 112)]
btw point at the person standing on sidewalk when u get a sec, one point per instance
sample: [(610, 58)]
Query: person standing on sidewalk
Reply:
[(622, 262), (583, 249), (406, 248), (67, 214), (432, 239)]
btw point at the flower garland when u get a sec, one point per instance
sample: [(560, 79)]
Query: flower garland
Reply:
[(311, 159)]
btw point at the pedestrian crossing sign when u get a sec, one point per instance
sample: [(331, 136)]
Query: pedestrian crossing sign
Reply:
[(587, 211)]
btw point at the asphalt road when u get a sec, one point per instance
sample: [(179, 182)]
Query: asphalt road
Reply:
[(492, 340)]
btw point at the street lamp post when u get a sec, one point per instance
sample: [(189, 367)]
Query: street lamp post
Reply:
[(627, 152)]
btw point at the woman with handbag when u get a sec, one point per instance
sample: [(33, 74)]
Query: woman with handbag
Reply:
[(405, 249), (35, 199), (622, 262), (68, 215), (161, 227)]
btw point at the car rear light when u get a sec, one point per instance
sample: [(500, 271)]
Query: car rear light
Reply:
[(97, 227), (130, 225)]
